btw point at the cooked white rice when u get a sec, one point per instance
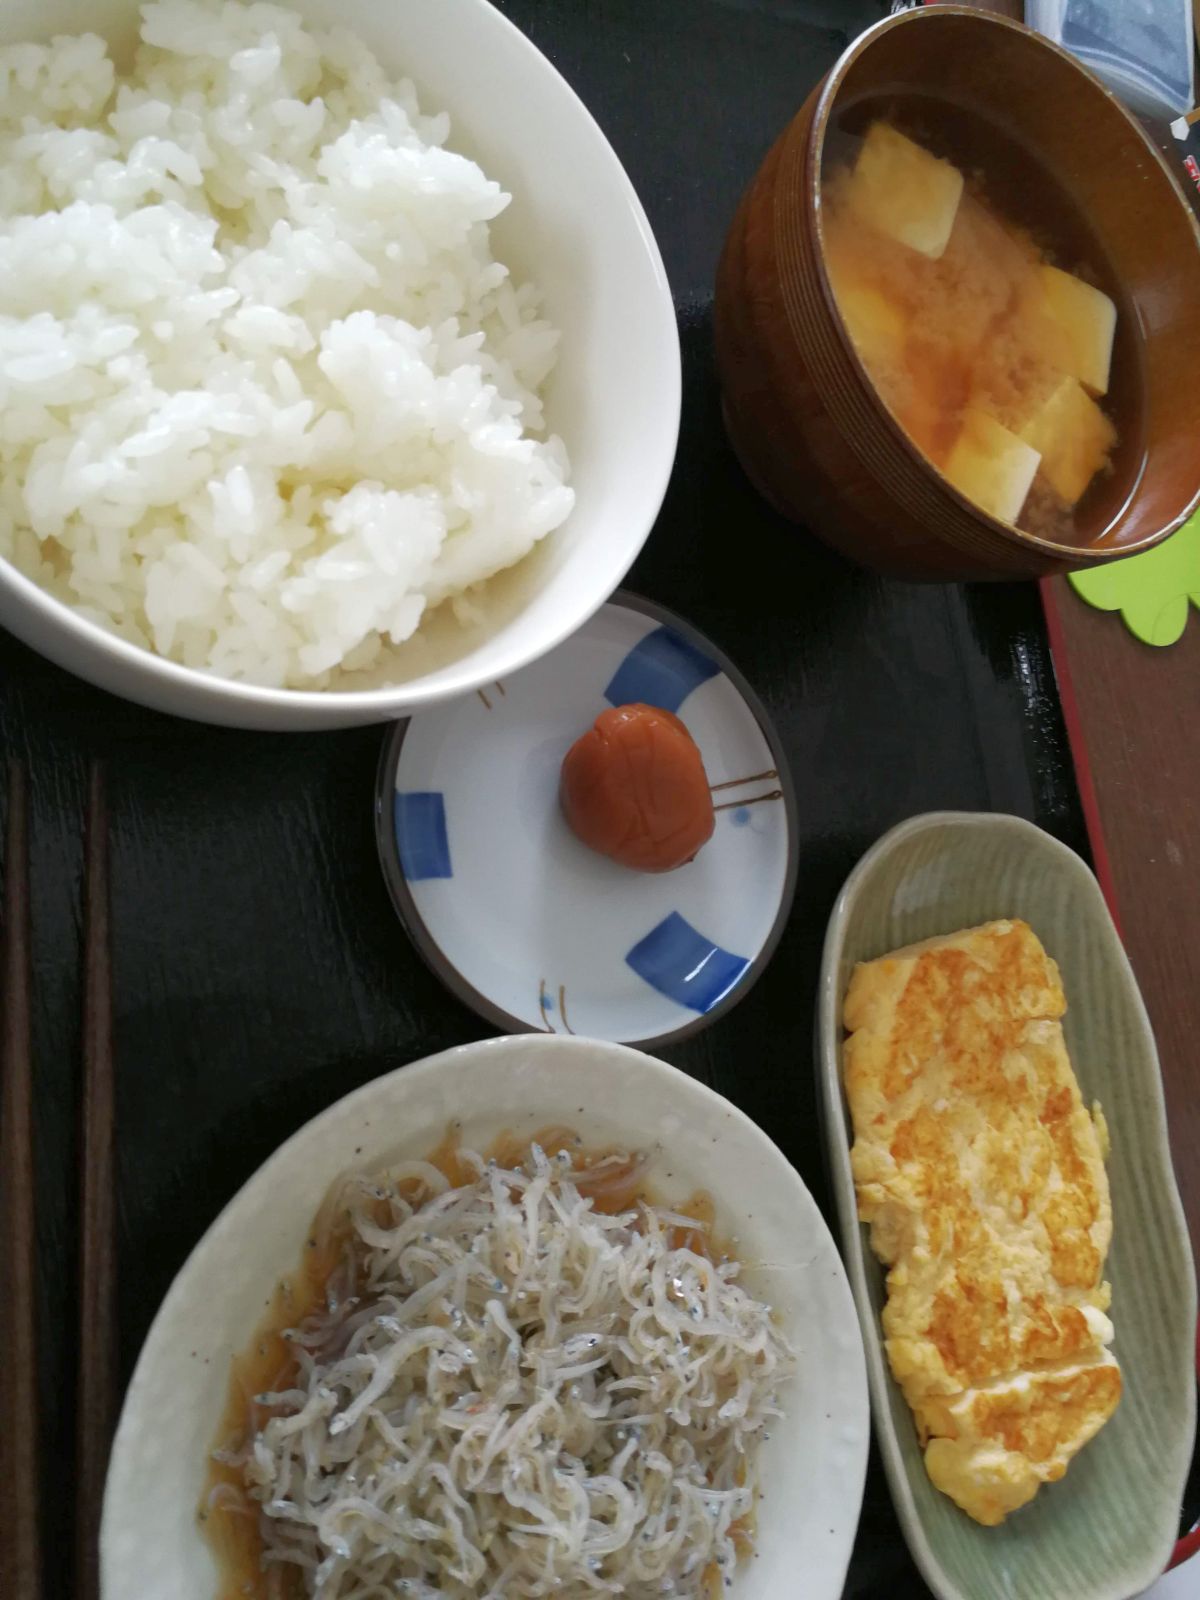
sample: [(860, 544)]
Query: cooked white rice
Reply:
[(265, 395)]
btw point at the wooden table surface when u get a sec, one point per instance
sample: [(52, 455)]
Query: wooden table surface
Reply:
[(259, 970), (1133, 713), (1133, 719)]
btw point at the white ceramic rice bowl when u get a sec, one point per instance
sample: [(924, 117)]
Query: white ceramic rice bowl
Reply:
[(576, 228), (813, 1465)]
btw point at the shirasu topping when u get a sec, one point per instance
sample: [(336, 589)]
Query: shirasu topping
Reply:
[(521, 1397)]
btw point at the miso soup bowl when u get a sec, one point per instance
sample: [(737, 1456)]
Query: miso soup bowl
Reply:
[(803, 415)]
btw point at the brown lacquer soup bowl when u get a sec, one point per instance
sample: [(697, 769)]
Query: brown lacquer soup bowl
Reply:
[(1064, 161)]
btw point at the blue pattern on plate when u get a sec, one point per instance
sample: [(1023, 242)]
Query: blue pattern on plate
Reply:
[(685, 966), (661, 670), (421, 840)]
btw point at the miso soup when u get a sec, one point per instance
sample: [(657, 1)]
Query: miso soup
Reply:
[(984, 314)]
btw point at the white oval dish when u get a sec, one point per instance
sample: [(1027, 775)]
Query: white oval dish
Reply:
[(814, 1462), (1106, 1531), (527, 925), (577, 229)]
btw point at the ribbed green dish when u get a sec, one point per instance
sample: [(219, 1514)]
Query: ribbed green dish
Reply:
[(1106, 1530)]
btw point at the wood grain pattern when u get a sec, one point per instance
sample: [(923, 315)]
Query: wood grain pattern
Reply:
[(20, 1555), (97, 1373), (261, 971), (1139, 734)]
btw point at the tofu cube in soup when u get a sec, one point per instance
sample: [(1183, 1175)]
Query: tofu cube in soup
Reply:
[(1083, 320), (903, 191), (991, 466), (1073, 437)]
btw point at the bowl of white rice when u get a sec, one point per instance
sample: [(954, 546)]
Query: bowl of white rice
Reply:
[(339, 372)]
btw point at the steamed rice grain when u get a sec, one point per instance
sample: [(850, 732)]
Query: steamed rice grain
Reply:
[(266, 398)]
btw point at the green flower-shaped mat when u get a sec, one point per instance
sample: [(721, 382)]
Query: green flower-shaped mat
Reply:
[(1151, 591)]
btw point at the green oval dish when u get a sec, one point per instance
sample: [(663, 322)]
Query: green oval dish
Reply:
[(1106, 1531)]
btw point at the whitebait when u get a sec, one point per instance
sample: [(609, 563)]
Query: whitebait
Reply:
[(522, 1396)]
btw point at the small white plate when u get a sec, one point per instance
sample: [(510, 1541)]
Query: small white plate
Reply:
[(530, 927), (813, 1463)]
